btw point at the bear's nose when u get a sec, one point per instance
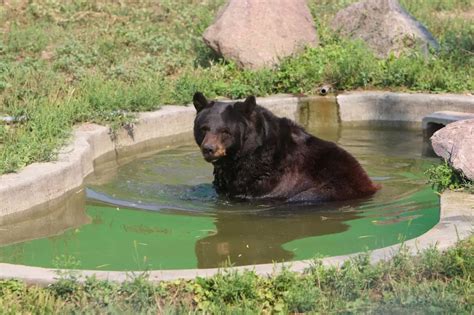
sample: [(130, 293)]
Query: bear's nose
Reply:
[(208, 149)]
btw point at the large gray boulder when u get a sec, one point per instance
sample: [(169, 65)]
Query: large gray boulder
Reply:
[(257, 33), (455, 143), (384, 25)]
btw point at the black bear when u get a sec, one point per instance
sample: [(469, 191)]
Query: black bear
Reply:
[(257, 155)]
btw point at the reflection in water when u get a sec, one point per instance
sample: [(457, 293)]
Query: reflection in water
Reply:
[(52, 218), (253, 238)]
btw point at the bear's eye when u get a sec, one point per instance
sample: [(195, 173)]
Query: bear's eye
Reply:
[(204, 128), (225, 131)]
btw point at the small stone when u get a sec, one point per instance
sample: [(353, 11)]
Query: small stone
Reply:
[(384, 25), (455, 143), (256, 33)]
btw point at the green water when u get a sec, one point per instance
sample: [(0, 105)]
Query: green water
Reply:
[(160, 211)]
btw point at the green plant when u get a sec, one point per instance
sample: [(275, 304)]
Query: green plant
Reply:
[(101, 293), (138, 292), (444, 176), (67, 283), (298, 293), (11, 286), (228, 288)]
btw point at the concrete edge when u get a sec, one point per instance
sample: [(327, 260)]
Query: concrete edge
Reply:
[(404, 107), (42, 182), (456, 223)]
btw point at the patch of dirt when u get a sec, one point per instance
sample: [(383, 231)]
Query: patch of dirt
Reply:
[(48, 53)]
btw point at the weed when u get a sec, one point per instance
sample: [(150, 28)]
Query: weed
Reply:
[(138, 292), (444, 176), (101, 293), (11, 287), (298, 293), (228, 288), (67, 283)]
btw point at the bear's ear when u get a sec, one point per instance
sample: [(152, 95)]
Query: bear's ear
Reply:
[(199, 101), (246, 107)]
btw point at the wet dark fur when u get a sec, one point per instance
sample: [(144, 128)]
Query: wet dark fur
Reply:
[(271, 157)]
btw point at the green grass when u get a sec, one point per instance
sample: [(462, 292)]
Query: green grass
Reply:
[(66, 62), (444, 176), (431, 282)]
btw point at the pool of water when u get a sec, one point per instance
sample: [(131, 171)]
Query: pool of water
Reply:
[(161, 212)]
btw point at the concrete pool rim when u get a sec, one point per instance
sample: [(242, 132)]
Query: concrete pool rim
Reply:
[(41, 182)]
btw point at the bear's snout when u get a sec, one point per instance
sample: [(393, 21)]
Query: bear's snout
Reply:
[(208, 149), (212, 149)]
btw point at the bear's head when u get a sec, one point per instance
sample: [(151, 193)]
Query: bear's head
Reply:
[(220, 129)]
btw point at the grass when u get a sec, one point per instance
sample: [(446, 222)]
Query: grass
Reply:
[(432, 282), (66, 62)]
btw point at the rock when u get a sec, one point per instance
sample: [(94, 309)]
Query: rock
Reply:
[(257, 33), (455, 143), (384, 25)]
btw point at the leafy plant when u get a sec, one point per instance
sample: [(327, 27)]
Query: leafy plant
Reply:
[(444, 176), (228, 288)]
